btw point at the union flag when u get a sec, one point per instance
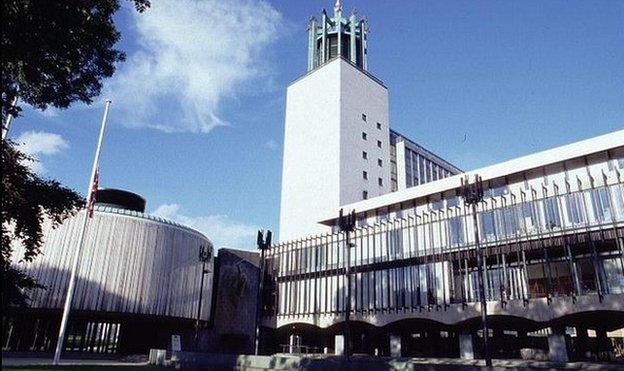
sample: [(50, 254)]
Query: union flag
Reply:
[(94, 188)]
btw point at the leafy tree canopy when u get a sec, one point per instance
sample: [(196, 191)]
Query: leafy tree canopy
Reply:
[(56, 52), (26, 200)]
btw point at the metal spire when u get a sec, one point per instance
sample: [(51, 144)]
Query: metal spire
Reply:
[(338, 6)]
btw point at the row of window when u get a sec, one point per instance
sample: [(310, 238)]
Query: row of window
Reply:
[(380, 181), (420, 170), (365, 177), (365, 157), (448, 231), (364, 118), (446, 283), (365, 137)]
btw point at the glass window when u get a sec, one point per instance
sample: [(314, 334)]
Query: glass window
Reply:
[(379, 143), (574, 204), (364, 174), (618, 199), (500, 191), (452, 202), (551, 211), (364, 136), (379, 126), (364, 195), (421, 169), (363, 117), (380, 182), (364, 155), (437, 204), (379, 162), (456, 229), (529, 220), (488, 226), (601, 205)]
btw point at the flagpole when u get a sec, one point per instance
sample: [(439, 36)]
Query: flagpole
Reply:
[(76, 258)]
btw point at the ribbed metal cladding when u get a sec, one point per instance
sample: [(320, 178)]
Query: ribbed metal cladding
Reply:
[(130, 264)]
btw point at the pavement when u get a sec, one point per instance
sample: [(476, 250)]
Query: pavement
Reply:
[(369, 363)]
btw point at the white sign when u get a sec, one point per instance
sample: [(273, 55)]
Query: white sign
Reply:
[(176, 344)]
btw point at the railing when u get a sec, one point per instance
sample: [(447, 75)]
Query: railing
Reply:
[(536, 245)]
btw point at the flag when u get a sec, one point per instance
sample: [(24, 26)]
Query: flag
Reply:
[(94, 188)]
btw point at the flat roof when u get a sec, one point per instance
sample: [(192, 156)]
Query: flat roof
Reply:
[(536, 160)]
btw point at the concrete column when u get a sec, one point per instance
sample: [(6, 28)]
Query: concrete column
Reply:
[(466, 350), (401, 165), (291, 344), (395, 345), (339, 345), (557, 351)]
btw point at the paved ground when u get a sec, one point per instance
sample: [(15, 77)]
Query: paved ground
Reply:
[(367, 363)]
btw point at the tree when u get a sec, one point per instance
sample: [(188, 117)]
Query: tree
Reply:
[(57, 52), (26, 200), (54, 53)]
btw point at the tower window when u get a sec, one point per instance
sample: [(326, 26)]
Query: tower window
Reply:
[(363, 117), (364, 174), (364, 155), (379, 126), (364, 195), (379, 143), (364, 136), (380, 182), (379, 162)]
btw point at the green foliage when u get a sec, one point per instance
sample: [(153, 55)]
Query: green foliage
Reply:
[(27, 200), (56, 52)]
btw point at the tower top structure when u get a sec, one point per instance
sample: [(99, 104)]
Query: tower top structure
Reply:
[(335, 36)]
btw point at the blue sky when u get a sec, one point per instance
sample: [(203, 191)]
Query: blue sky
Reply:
[(196, 124)]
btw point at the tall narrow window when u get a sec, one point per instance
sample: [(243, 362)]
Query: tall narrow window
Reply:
[(379, 162), (364, 175), (363, 117), (364, 136), (364, 155), (378, 126), (364, 195), (380, 182), (379, 143)]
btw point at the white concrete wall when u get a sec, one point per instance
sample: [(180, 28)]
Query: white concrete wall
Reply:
[(311, 167), (129, 264), (323, 164), (360, 94)]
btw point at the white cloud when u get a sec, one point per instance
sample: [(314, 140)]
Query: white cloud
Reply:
[(40, 143), (192, 55), (220, 229), (271, 144)]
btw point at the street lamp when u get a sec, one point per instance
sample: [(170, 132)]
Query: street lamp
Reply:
[(473, 194), (205, 253), (263, 244), (347, 225)]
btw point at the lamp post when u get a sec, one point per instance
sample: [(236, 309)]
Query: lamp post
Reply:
[(205, 253), (263, 244), (347, 225), (473, 194)]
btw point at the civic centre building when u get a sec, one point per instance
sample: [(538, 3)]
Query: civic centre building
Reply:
[(550, 226), (138, 282)]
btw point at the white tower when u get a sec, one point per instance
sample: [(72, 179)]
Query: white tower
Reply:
[(336, 141)]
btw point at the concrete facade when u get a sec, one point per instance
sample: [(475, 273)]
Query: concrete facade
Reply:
[(331, 121)]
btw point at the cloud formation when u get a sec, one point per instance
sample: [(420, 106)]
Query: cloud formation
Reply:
[(40, 143), (192, 55), (220, 229)]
